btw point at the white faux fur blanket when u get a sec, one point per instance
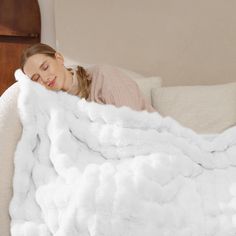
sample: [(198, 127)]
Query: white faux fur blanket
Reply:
[(87, 169)]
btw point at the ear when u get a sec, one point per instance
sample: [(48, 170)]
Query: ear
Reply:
[(59, 58)]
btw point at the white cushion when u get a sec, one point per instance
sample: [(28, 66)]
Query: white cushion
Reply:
[(10, 132), (147, 84), (205, 109)]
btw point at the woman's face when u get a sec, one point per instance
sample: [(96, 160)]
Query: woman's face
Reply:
[(47, 71)]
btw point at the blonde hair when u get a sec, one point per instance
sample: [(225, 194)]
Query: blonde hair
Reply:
[(40, 48)]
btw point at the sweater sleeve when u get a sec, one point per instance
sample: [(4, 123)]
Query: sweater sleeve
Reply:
[(119, 89)]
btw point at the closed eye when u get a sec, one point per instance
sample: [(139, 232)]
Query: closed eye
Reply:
[(35, 77), (45, 67)]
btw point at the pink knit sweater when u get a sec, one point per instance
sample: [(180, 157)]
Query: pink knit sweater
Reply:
[(110, 85)]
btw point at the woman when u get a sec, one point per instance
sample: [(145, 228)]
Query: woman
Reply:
[(100, 83)]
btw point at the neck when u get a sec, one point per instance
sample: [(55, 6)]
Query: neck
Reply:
[(68, 80)]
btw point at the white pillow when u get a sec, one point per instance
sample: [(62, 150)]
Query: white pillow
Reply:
[(146, 85), (205, 109)]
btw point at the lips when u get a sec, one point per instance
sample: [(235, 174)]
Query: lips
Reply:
[(51, 84)]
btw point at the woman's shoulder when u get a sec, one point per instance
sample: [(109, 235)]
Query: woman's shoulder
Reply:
[(104, 72)]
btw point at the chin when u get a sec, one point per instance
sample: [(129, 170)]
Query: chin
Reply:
[(55, 89)]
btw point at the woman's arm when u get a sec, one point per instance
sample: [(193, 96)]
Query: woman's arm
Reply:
[(118, 89)]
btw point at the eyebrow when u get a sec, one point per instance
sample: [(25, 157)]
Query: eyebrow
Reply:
[(41, 67)]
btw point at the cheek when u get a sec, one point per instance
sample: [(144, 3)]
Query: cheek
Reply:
[(59, 70), (60, 74)]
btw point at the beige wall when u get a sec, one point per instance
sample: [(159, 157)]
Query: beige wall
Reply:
[(184, 42), (47, 22)]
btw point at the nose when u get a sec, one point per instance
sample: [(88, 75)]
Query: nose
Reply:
[(45, 78)]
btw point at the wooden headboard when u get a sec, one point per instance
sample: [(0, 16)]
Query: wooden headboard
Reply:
[(185, 42), (19, 27)]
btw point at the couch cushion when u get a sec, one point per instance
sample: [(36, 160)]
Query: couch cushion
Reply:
[(205, 109), (10, 132)]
